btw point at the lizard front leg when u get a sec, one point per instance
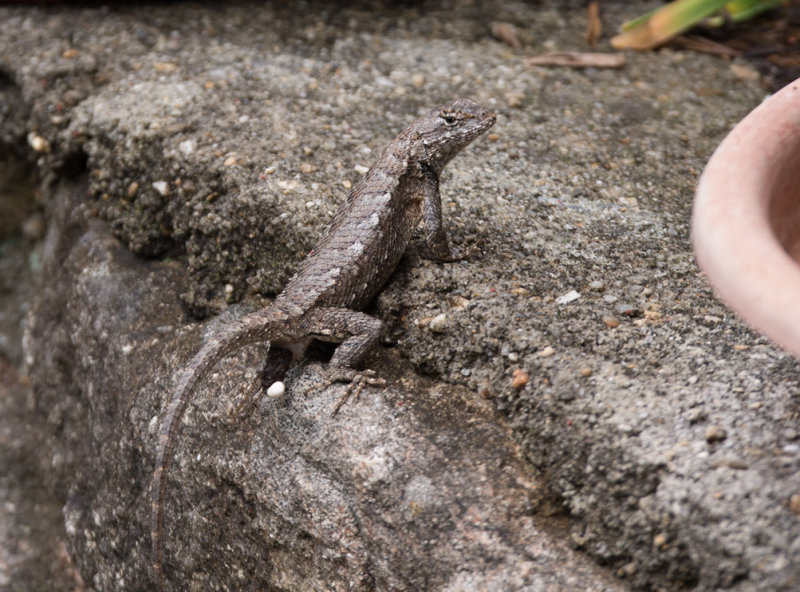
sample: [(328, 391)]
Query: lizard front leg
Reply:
[(435, 234), (355, 332)]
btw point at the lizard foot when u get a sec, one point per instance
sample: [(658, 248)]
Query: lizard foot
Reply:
[(357, 380)]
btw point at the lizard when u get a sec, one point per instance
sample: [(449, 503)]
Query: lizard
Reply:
[(354, 257)]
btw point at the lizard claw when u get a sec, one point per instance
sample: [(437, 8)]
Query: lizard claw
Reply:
[(356, 379)]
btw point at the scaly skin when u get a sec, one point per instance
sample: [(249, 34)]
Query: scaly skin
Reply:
[(353, 259)]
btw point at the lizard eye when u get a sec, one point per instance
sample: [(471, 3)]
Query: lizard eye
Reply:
[(449, 119)]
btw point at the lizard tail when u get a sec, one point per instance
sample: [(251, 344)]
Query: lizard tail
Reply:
[(249, 329)]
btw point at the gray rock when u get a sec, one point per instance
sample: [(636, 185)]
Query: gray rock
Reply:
[(393, 493), (255, 134)]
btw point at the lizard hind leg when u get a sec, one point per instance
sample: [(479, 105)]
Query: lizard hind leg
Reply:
[(356, 332)]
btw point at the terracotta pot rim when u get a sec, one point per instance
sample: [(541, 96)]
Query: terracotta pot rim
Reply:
[(745, 189)]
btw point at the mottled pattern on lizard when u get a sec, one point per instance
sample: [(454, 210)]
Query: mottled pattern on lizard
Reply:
[(353, 259)]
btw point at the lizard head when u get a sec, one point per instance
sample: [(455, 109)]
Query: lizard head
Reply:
[(445, 130)]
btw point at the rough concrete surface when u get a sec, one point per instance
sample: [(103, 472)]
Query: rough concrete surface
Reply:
[(186, 157)]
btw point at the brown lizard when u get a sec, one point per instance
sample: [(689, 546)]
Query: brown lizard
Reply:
[(353, 259)]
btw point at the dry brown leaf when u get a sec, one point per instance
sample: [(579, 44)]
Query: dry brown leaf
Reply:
[(594, 26), (574, 59)]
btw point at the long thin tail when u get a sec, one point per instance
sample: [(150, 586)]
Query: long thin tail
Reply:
[(259, 326)]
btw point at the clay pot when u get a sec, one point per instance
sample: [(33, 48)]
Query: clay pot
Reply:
[(746, 218)]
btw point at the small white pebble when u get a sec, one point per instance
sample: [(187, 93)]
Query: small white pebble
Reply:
[(187, 147), (162, 187), (438, 324), (277, 390), (360, 169), (38, 143), (568, 297), (546, 351)]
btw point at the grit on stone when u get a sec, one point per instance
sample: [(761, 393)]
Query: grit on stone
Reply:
[(188, 157)]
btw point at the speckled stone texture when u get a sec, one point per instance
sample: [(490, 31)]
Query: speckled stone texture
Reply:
[(191, 157)]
